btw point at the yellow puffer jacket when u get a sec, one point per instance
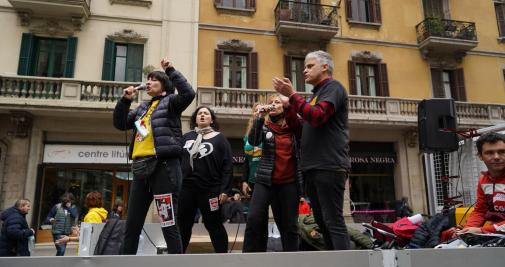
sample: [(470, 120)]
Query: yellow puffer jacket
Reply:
[(96, 215)]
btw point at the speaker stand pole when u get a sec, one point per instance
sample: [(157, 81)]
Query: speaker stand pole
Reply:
[(445, 182)]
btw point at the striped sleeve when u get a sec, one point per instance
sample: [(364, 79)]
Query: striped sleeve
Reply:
[(316, 115)]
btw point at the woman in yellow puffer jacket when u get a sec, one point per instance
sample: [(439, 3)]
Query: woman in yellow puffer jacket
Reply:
[(96, 214)]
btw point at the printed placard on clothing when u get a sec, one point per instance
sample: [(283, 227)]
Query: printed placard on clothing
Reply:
[(165, 208), (214, 204)]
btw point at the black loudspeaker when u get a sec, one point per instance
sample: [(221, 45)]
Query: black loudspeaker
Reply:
[(437, 122)]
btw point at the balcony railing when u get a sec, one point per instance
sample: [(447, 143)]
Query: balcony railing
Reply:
[(305, 13), (29, 91), (42, 88), (238, 103), (453, 29)]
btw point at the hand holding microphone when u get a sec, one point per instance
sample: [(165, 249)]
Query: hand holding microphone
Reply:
[(131, 91)]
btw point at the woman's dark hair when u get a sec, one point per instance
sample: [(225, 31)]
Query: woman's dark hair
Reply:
[(490, 138), (214, 123), (93, 200), (67, 197), (166, 83)]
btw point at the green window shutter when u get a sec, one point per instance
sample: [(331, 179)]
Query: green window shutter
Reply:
[(70, 57), (26, 54), (134, 60), (108, 61)]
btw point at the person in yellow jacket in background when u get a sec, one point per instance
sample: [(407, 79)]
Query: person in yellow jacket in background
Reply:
[(96, 213)]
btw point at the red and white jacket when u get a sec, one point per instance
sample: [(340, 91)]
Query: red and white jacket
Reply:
[(490, 205)]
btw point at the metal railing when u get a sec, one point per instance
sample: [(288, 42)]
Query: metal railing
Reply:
[(445, 28), (306, 13)]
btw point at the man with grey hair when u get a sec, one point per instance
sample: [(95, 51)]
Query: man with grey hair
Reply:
[(325, 145)]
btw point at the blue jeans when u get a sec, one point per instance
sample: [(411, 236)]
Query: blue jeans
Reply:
[(60, 249)]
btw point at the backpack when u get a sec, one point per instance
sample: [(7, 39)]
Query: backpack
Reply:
[(111, 238)]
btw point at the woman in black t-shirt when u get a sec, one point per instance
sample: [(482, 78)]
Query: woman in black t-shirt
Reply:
[(206, 168)]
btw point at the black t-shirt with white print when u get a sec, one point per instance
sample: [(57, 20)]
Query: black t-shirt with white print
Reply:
[(212, 167)]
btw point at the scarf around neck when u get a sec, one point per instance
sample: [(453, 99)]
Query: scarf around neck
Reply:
[(193, 152)]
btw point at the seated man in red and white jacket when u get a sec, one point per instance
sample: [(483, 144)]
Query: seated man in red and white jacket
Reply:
[(490, 205)]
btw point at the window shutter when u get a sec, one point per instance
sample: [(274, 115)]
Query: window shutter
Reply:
[(70, 57), (252, 70), (251, 4), (458, 86), (348, 9), (383, 76), (376, 11), (218, 67), (108, 61), (134, 60), (26, 54), (438, 86), (500, 18), (287, 67), (352, 77)]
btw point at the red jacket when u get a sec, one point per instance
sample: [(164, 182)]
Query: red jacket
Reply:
[(490, 205)]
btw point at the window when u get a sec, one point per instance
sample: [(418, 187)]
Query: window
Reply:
[(293, 70), (122, 62), (448, 84), (363, 11), (368, 79), (238, 4), (433, 8), (500, 18), (236, 69), (47, 57), (365, 80)]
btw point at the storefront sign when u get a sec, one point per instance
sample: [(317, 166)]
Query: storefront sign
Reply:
[(372, 160), (85, 154)]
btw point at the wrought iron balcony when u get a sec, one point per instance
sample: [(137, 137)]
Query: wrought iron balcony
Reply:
[(305, 21), (237, 104), (438, 37), (77, 11)]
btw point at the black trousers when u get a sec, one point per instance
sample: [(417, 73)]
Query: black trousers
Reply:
[(193, 198), (284, 200), (166, 179), (325, 190)]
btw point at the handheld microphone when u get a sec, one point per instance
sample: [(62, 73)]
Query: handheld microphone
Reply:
[(139, 87)]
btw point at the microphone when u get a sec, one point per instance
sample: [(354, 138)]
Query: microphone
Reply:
[(139, 87)]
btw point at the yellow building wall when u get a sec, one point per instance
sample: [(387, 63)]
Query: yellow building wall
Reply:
[(482, 12), (408, 73), (262, 19), (398, 23), (484, 79), (270, 61)]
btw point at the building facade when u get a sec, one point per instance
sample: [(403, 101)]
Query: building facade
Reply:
[(65, 65), (388, 54)]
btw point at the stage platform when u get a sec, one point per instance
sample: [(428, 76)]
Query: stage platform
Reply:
[(468, 257), (202, 255)]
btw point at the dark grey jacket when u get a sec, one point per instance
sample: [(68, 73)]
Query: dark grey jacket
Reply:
[(166, 117), (258, 135)]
